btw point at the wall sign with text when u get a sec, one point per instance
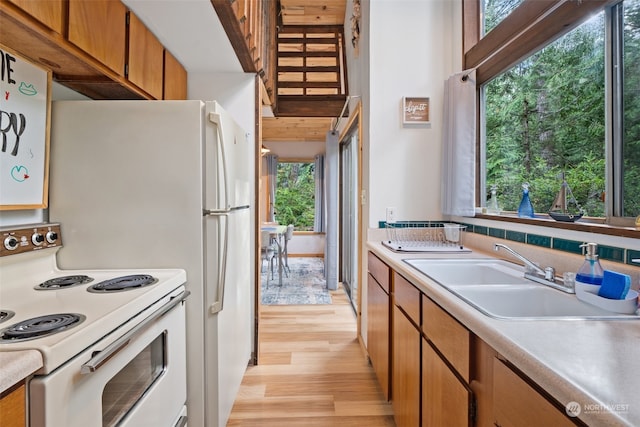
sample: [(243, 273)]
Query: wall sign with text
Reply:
[(24, 124), (415, 110)]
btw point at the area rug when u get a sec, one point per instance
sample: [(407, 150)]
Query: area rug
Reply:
[(305, 284)]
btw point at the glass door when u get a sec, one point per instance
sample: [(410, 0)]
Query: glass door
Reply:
[(349, 212)]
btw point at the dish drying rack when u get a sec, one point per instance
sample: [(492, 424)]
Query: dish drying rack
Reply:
[(441, 237)]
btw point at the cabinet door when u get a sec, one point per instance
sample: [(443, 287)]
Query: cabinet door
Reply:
[(516, 403), (12, 408), (405, 375), (146, 58), (48, 12), (175, 78), (378, 332), (445, 399), (99, 28)]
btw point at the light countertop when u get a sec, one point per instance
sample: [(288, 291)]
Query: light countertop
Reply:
[(591, 362), (17, 365)]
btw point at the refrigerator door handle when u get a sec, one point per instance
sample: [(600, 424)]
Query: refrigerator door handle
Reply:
[(217, 119), (223, 245)]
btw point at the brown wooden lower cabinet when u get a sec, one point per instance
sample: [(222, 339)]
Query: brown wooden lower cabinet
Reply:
[(516, 403), (446, 401), (444, 375), (378, 332), (12, 408), (405, 374)]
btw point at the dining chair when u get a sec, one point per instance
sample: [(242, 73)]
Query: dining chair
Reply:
[(288, 235), (268, 253)]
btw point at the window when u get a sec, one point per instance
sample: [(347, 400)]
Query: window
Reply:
[(545, 119), (496, 10), (631, 109), (570, 104), (295, 201)]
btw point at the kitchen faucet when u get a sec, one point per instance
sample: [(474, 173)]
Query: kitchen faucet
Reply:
[(533, 272)]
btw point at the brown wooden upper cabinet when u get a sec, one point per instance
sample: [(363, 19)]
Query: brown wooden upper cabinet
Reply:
[(146, 58), (48, 12), (98, 27), (175, 78)]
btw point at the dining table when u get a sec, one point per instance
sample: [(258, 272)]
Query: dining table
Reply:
[(276, 233)]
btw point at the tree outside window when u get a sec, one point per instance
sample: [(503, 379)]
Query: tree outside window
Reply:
[(571, 109), (295, 200), (545, 118)]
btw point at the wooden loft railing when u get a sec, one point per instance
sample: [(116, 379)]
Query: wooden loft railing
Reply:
[(311, 81), (303, 68), (251, 28)]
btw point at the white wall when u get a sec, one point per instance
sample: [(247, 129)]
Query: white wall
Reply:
[(33, 216), (234, 91), (414, 46), (406, 48)]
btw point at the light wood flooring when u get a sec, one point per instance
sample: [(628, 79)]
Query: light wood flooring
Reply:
[(312, 372)]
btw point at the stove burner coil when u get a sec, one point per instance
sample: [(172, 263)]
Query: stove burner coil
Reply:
[(41, 326), (6, 315), (123, 283), (64, 282)]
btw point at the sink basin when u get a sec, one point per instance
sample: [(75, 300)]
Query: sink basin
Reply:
[(458, 272), (530, 301), (498, 289)]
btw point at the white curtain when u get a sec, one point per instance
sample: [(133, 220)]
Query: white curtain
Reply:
[(272, 174), (459, 145), (319, 215), (332, 184)]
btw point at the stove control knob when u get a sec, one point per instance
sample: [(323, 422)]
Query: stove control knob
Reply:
[(11, 243), (37, 239), (52, 236)]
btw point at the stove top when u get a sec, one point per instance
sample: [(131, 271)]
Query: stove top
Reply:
[(34, 288)]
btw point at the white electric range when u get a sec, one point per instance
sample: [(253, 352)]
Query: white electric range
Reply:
[(112, 341)]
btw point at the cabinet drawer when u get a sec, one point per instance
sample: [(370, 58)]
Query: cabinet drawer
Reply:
[(407, 297), (379, 270), (516, 403), (451, 338)]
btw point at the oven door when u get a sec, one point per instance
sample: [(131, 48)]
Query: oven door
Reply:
[(136, 377)]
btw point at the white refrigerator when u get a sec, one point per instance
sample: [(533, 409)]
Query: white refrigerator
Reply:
[(145, 184)]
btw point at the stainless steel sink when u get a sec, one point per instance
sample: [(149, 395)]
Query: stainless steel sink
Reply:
[(454, 272), (498, 289)]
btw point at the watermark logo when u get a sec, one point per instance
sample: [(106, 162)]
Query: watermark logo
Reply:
[(574, 409)]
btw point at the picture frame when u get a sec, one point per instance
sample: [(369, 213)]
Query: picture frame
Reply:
[(26, 114), (415, 110)]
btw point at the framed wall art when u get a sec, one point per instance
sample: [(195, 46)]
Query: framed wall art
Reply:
[(24, 124), (415, 110)]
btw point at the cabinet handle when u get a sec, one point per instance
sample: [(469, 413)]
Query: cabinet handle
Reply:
[(99, 358)]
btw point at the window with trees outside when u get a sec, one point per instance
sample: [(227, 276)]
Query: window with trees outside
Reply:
[(295, 199), (570, 109)]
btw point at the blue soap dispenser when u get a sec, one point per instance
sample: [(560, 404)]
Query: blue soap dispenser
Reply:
[(525, 210), (590, 274)]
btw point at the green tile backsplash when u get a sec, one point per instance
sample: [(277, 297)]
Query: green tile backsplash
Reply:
[(536, 239), (610, 253)]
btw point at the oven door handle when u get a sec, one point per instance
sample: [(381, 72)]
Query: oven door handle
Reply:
[(100, 357)]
